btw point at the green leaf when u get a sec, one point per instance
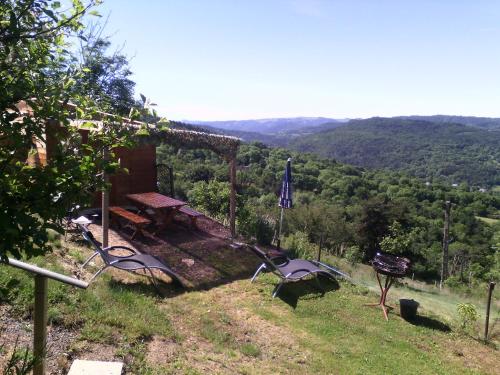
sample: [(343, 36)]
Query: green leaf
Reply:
[(88, 125), (142, 132), (51, 14)]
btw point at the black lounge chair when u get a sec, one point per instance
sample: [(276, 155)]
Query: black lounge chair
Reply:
[(134, 261), (292, 269)]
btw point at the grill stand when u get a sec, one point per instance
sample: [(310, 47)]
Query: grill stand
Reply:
[(383, 293)]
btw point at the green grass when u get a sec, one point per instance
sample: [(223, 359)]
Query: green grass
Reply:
[(432, 300), (239, 328), (214, 332), (250, 350), (488, 220), (346, 337)]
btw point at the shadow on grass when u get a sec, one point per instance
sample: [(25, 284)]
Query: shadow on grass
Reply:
[(423, 321), (417, 290), (202, 261), (145, 287), (291, 292)]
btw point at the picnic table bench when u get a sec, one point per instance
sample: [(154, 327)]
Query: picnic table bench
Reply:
[(138, 221), (164, 208), (192, 214)]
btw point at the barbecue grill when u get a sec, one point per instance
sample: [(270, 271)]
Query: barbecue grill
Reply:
[(392, 267)]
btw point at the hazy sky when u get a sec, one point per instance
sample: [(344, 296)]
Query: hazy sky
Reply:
[(235, 59)]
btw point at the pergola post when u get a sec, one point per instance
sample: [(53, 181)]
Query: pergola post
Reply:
[(232, 197), (105, 202)]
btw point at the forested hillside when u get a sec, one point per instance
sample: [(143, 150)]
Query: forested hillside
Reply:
[(457, 153), (491, 123), (355, 212)]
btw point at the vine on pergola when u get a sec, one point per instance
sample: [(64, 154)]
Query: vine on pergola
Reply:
[(224, 146)]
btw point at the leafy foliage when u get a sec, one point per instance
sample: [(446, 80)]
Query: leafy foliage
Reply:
[(468, 316), (352, 211), (454, 152), (212, 197), (107, 79), (38, 77), (398, 240)]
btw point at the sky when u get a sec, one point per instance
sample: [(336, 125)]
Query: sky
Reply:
[(236, 59)]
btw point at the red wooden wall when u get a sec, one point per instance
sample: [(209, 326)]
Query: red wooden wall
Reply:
[(140, 162)]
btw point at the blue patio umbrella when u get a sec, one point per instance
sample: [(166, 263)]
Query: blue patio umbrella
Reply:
[(286, 195)]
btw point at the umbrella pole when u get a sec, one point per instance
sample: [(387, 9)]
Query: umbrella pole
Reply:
[(278, 243)]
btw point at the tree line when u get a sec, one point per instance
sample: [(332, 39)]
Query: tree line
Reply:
[(353, 212)]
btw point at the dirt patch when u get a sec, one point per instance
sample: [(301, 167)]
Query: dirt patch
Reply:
[(94, 351), (473, 355), (162, 351), (59, 341)]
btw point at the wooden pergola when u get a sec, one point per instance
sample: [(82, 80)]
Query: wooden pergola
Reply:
[(224, 146)]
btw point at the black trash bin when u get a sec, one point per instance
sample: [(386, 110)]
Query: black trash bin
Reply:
[(408, 309)]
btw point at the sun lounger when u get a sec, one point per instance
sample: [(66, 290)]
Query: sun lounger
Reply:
[(289, 269), (132, 262)]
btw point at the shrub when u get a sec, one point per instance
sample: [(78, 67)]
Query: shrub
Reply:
[(354, 254), (263, 230), (298, 245), (211, 197), (255, 224), (468, 315)]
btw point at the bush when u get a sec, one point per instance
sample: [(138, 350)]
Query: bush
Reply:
[(354, 254), (211, 197), (256, 225), (264, 230), (298, 245), (468, 316)]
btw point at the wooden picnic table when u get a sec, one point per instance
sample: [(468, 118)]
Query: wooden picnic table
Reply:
[(164, 207)]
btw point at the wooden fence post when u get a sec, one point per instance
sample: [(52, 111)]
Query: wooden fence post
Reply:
[(488, 306), (232, 198)]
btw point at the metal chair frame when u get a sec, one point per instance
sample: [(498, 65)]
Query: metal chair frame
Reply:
[(269, 265), (104, 253)]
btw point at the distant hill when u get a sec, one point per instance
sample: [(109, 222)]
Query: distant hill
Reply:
[(425, 149), (244, 135), (490, 123), (270, 126), (424, 146)]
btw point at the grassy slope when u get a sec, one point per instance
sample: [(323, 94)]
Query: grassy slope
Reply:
[(432, 300), (239, 328)]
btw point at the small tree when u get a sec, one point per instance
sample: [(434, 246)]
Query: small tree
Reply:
[(399, 241), (37, 68), (107, 79), (468, 316), (211, 197)]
